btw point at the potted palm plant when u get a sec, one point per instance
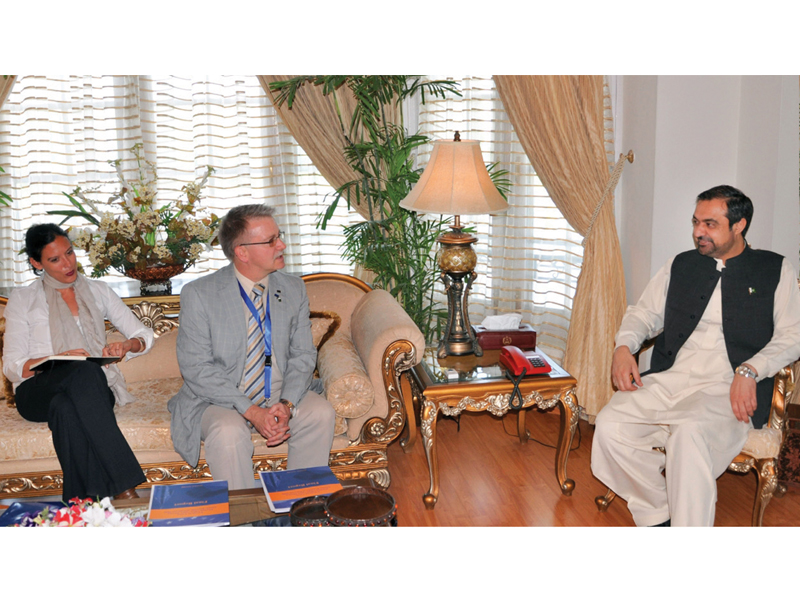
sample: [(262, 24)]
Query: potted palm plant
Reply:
[(394, 243), (5, 199)]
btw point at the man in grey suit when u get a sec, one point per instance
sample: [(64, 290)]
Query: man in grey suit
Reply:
[(237, 380)]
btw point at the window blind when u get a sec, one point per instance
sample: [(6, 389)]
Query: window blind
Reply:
[(529, 258), (57, 133)]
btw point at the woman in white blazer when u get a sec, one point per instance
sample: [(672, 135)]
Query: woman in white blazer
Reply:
[(64, 313)]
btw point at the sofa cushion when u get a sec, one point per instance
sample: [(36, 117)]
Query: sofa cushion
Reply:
[(347, 385), (144, 423), (159, 363), (763, 443)]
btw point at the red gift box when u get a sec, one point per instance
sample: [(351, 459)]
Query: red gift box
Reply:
[(523, 338)]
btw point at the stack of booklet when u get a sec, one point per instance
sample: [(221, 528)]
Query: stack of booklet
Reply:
[(201, 504), (284, 488)]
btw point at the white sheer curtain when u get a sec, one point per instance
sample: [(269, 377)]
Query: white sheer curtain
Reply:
[(57, 133), (528, 259)]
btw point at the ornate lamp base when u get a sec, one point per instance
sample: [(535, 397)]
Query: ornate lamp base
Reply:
[(457, 261)]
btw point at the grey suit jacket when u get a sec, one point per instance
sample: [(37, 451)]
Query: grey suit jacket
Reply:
[(211, 348)]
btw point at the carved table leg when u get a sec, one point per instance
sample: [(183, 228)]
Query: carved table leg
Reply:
[(522, 431), (409, 392), (428, 430), (566, 431)]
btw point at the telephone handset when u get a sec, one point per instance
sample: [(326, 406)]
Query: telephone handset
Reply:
[(517, 361)]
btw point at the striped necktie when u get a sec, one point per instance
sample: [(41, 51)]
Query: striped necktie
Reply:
[(257, 373)]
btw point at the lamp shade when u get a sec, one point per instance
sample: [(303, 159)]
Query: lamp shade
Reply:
[(455, 182)]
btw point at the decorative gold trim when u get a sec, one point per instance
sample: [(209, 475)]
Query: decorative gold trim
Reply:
[(32, 484), (152, 315), (355, 462), (399, 356), (170, 305), (337, 277), (499, 404)]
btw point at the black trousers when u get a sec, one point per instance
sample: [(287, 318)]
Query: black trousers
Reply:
[(78, 406)]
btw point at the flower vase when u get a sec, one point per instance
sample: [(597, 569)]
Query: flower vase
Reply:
[(155, 281)]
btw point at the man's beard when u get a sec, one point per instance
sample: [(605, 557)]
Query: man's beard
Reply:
[(708, 250)]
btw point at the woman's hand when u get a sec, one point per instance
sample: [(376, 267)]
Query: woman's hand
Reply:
[(120, 349), (74, 352), (26, 369)]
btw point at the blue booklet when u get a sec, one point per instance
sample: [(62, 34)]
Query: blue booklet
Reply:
[(16, 513), (284, 488), (201, 504)]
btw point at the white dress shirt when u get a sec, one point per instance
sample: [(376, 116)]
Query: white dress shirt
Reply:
[(28, 325), (703, 359)]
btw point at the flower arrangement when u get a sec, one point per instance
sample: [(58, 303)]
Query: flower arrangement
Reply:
[(133, 233), (83, 513)]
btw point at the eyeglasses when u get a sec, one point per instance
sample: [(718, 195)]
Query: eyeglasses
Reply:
[(270, 242)]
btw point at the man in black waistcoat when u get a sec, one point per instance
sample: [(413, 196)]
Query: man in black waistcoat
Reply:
[(727, 319)]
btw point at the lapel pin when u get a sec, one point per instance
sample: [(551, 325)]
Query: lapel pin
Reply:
[(278, 295), (751, 290)]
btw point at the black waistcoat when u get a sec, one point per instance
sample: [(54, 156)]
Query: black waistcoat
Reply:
[(749, 281)]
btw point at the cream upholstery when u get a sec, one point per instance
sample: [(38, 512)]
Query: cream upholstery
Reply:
[(362, 376), (347, 386)]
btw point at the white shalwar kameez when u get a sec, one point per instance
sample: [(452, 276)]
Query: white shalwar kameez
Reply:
[(685, 409)]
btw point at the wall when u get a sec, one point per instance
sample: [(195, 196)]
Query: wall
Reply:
[(690, 133)]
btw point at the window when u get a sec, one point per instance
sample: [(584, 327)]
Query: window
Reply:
[(57, 133), (528, 259)]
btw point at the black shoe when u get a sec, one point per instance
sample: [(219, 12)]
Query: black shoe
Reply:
[(664, 524)]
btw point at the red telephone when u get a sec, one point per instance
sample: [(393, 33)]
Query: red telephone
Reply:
[(515, 360)]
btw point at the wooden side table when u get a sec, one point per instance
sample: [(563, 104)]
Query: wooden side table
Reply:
[(481, 386)]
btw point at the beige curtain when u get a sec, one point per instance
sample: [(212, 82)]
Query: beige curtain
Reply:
[(315, 125), (6, 83), (559, 121)]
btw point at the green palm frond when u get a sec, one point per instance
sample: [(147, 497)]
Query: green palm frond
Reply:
[(396, 244)]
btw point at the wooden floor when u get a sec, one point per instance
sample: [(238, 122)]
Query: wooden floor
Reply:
[(488, 478)]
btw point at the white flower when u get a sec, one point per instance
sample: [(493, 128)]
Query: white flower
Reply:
[(126, 228), (108, 222), (161, 251), (147, 219), (94, 515), (81, 237)]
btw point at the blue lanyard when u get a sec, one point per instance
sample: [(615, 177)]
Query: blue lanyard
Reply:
[(266, 334)]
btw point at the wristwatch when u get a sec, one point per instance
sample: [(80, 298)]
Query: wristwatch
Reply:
[(290, 406), (746, 371)]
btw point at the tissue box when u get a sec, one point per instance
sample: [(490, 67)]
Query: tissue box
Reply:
[(523, 338)]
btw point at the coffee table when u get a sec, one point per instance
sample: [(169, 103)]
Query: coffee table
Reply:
[(246, 506), (478, 384)]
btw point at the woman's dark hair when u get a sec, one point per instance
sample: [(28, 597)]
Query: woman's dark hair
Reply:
[(38, 236)]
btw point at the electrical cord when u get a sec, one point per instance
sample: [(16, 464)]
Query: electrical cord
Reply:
[(533, 439)]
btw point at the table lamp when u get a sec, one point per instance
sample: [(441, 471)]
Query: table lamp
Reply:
[(456, 182)]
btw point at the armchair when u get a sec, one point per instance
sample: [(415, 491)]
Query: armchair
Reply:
[(760, 451)]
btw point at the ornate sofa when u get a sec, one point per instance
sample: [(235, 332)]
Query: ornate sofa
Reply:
[(365, 342)]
